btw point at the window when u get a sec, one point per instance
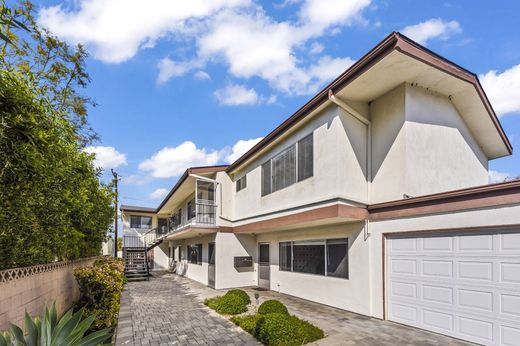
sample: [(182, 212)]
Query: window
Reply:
[(295, 163), (191, 210), (305, 158), (179, 253), (283, 169), (320, 257), (195, 253), (266, 178), (241, 183), (162, 226), (137, 221), (179, 217)]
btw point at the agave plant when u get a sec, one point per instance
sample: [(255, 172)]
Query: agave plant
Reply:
[(48, 331)]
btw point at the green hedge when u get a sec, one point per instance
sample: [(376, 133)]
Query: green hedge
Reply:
[(100, 286), (232, 303), (272, 306), (246, 322), (281, 329)]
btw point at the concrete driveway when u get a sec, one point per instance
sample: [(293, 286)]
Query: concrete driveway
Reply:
[(168, 310)]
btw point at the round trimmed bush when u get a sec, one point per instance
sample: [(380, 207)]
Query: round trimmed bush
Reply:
[(271, 307), (229, 304), (281, 329), (242, 295)]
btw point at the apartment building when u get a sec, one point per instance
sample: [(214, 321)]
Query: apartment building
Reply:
[(373, 198)]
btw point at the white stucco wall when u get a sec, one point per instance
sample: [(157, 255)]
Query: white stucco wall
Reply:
[(498, 216), (197, 272), (229, 245), (441, 153), (339, 167), (351, 294), (421, 145), (160, 257)]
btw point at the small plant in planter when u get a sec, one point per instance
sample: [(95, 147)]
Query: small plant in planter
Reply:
[(272, 306), (232, 303), (69, 330)]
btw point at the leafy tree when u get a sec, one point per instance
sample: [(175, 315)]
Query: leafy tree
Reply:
[(52, 204), (7, 20), (56, 69)]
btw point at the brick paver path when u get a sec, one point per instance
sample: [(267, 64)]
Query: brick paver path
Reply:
[(162, 311)]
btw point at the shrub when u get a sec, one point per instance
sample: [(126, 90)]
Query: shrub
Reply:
[(281, 329), (69, 330), (271, 307), (242, 295), (100, 287), (246, 322)]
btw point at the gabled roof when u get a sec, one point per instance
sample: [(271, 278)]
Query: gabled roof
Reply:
[(395, 42), (185, 175)]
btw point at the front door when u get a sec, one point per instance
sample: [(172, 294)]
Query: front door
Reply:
[(211, 265), (264, 269)]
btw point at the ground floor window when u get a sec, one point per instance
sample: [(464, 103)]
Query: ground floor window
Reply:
[(195, 254), (321, 257)]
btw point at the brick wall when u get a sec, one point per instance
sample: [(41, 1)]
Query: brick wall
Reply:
[(30, 288)]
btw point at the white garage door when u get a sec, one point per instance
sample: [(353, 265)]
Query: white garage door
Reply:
[(459, 284)]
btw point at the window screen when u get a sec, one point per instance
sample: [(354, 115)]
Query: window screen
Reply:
[(305, 158), (195, 253), (137, 221), (286, 256), (337, 259), (309, 257), (266, 178), (241, 183), (284, 169)]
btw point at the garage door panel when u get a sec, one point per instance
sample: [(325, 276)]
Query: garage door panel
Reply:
[(475, 243), (466, 286), (437, 268), (437, 294), (510, 241), (437, 244), (474, 270), (510, 304), (510, 336), (475, 299), (510, 272)]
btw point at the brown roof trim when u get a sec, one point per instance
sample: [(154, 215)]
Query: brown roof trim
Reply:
[(394, 41), (463, 199), (134, 208), (186, 174)]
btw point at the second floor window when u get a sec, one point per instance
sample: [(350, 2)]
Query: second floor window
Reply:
[(191, 210), (137, 221), (295, 163), (241, 183)]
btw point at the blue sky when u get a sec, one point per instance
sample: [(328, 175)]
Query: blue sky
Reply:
[(185, 83)]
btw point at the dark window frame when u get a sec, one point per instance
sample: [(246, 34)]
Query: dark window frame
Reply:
[(140, 224), (241, 183), (189, 254), (326, 243), (303, 166)]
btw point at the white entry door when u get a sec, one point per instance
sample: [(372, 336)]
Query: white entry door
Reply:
[(466, 285)]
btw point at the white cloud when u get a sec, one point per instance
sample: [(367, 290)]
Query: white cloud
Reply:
[(115, 30), (202, 75), (106, 157), (316, 48), (503, 89), (237, 33), (239, 95), (240, 148), (434, 28), (498, 177), (171, 162), (158, 193)]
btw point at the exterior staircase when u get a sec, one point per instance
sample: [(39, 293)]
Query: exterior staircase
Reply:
[(136, 264)]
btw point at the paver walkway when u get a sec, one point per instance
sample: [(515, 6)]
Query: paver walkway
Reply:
[(168, 310), (162, 311)]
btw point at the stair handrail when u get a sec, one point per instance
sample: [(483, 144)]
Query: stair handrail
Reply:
[(150, 236)]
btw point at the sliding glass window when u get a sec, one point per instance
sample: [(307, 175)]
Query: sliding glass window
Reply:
[(320, 257)]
